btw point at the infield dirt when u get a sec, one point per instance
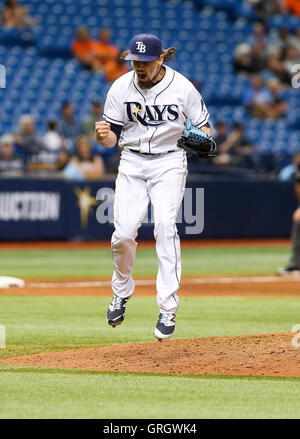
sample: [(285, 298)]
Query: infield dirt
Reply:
[(251, 355), (237, 286)]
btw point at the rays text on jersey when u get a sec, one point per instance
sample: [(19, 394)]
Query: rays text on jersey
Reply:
[(151, 115)]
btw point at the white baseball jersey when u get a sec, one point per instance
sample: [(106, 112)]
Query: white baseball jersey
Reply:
[(153, 119)]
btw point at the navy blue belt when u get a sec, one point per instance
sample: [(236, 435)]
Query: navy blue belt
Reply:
[(151, 153)]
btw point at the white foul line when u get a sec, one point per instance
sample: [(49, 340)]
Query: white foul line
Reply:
[(186, 281)]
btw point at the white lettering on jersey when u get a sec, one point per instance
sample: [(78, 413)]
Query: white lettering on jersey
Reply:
[(153, 120), (140, 47), (151, 115)]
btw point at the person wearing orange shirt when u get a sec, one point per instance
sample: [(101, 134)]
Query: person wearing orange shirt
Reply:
[(84, 49), (292, 6), (105, 52), (115, 69)]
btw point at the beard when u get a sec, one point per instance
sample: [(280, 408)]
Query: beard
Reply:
[(143, 82)]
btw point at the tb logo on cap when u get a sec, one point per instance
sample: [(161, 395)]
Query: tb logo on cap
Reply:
[(140, 47)]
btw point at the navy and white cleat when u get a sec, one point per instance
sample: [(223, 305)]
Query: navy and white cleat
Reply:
[(116, 311), (165, 325)]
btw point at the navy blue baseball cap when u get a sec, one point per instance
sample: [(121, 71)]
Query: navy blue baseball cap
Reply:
[(144, 47)]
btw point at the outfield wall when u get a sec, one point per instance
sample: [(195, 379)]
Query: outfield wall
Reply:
[(63, 210)]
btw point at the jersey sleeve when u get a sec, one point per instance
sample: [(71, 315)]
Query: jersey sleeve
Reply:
[(195, 108), (113, 109)]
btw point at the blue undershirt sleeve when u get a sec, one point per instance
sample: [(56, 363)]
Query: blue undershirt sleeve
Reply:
[(115, 128)]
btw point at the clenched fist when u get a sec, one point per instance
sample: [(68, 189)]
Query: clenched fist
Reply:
[(102, 129)]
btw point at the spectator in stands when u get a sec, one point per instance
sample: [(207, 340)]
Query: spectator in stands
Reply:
[(220, 137), (289, 59), (291, 6), (258, 57), (10, 164), (278, 106), (69, 127), (28, 142), (283, 40), (242, 58), (33, 148), (257, 98), (259, 35), (116, 69), (265, 102), (54, 146), (84, 165), (275, 69), (288, 172), (16, 16), (84, 50), (106, 53), (295, 42), (265, 8), (221, 134), (248, 60), (237, 150), (88, 124), (108, 56), (52, 139)]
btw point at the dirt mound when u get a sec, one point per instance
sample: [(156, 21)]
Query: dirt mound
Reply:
[(266, 354)]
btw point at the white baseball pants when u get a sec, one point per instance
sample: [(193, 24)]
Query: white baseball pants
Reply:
[(141, 179)]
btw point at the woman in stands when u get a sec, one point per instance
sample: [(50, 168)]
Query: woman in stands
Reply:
[(90, 165)]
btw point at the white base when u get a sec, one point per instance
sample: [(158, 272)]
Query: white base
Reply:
[(7, 282)]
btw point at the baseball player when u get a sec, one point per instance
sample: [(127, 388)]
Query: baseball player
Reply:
[(145, 112), (293, 266)]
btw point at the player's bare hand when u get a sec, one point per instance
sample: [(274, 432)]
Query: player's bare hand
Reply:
[(102, 129)]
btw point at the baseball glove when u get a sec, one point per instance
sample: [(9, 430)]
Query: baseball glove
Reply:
[(195, 140)]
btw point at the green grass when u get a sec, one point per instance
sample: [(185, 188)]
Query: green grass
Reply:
[(41, 324), (97, 263), (60, 394)]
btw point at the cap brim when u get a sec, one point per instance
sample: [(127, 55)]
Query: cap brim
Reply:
[(145, 58)]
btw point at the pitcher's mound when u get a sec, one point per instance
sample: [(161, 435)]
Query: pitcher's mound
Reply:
[(267, 354)]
